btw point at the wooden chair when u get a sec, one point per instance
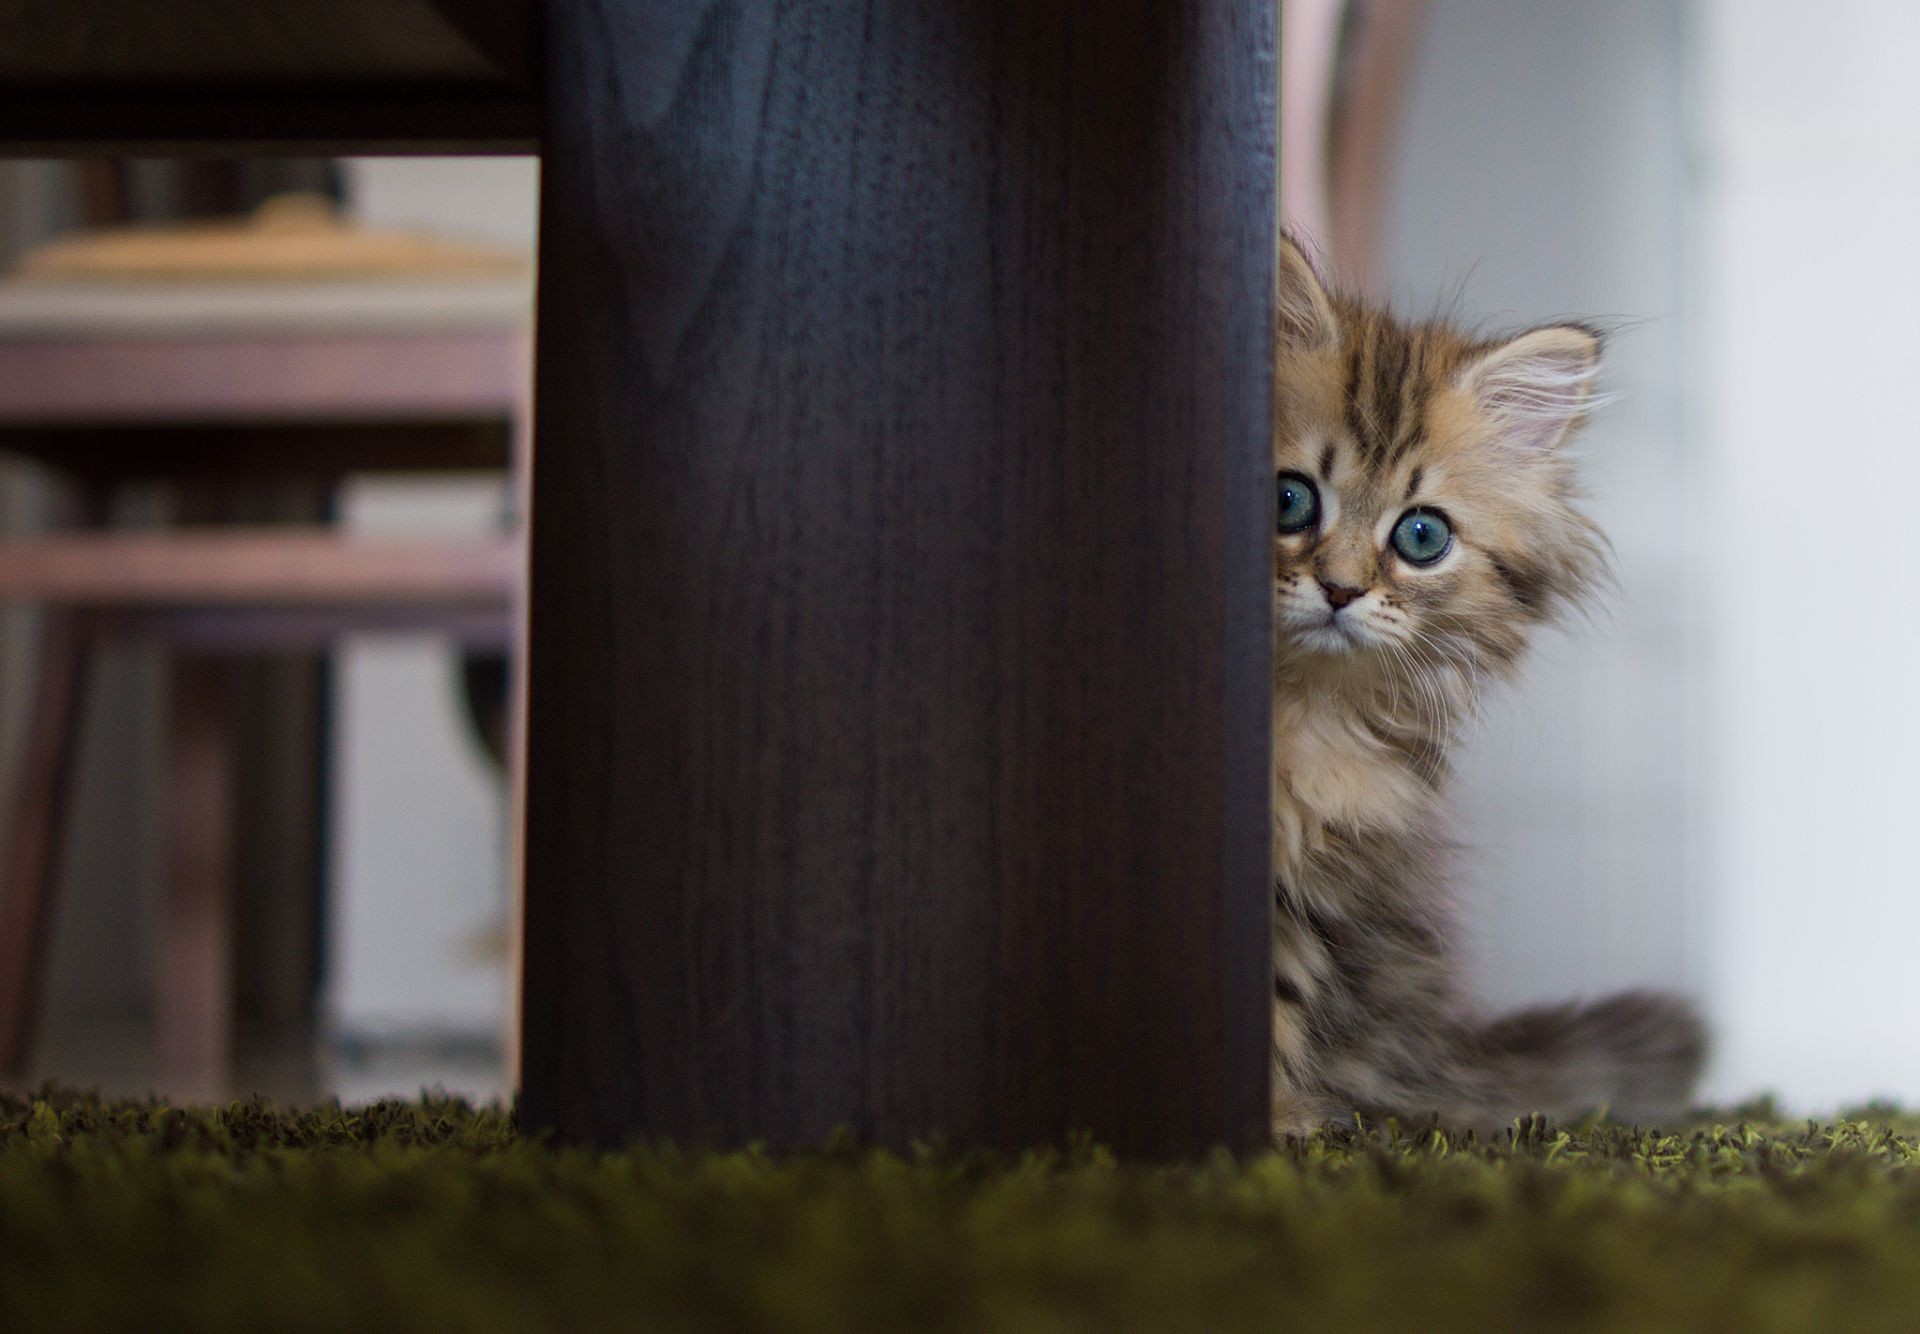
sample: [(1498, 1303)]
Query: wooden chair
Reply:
[(1346, 65), (202, 384)]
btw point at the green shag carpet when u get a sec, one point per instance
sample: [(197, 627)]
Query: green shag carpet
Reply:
[(434, 1216)]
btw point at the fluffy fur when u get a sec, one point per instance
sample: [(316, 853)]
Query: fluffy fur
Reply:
[(1379, 660)]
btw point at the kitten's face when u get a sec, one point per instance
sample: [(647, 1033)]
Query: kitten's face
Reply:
[(1424, 510)]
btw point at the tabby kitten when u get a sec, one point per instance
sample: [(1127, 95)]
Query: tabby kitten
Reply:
[(1426, 523)]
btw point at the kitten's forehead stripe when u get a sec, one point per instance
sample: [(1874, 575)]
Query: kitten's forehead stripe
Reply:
[(1413, 482), (1366, 399), (1356, 354), (1326, 462), (1388, 384), (1396, 378), (1412, 403)]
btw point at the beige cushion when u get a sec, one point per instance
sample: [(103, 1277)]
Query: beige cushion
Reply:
[(294, 236), (52, 311), (292, 269)]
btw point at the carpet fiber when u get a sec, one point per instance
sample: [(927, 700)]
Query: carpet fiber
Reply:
[(433, 1216)]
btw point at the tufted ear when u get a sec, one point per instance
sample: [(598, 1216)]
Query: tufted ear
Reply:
[(1303, 313), (1536, 387)]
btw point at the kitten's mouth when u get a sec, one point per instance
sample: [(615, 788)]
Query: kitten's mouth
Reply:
[(1319, 628), (1331, 635)]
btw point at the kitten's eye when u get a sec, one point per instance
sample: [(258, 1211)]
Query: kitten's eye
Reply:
[(1296, 503), (1422, 536)]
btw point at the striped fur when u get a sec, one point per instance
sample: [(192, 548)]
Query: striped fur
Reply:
[(1382, 417)]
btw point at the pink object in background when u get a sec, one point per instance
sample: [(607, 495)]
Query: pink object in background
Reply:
[(1344, 70)]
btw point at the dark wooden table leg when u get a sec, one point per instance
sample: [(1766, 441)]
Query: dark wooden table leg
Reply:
[(900, 646), (36, 826)]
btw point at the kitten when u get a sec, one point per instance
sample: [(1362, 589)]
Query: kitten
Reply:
[(1425, 524)]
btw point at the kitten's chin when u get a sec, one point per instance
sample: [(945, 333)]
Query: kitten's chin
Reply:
[(1329, 638)]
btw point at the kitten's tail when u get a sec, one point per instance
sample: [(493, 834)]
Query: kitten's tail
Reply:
[(1637, 1054)]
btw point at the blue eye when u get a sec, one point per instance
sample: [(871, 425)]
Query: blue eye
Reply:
[(1296, 503), (1422, 536)]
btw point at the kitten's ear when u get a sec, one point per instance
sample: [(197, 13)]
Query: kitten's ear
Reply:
[(1303, 313), (1536, 387)]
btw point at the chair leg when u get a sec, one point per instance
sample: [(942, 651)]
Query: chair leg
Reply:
[(36, 823), (194, 971)]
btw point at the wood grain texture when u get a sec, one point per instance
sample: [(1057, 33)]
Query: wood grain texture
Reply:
[(900, 644)]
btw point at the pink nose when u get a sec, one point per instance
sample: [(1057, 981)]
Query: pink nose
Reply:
[(1339, 595)]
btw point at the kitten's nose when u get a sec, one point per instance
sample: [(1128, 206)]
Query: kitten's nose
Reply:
[(1339, 595)]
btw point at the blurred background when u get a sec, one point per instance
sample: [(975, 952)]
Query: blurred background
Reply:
[(367, 919), (1706, 789)]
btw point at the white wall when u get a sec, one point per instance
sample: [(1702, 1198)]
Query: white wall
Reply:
[(418, 901), (1808, 144), (479, 198), (1713, 788), (1542, 174), (417, 904)]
